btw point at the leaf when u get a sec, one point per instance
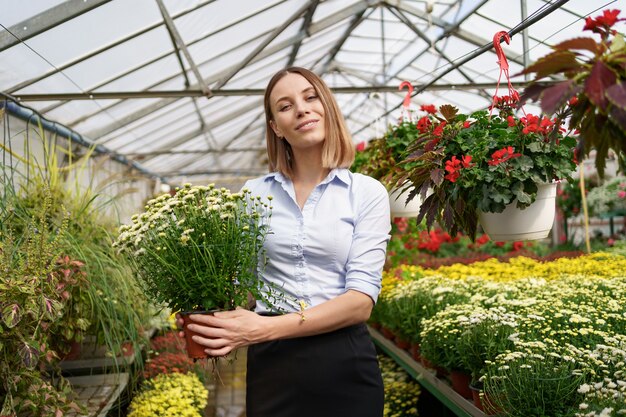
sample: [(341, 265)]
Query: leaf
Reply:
[(555, 97), (588, 44), (618, 116), (599, 80), (616, 94), (553, 63), (448, 111), (532, 92), (618, 45), (11, 315), (29, 355), (437, 175)]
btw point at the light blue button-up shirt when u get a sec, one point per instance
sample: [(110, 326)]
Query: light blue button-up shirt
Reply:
[(337, 242)]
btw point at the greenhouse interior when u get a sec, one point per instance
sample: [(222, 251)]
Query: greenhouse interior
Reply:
[(170, 163)]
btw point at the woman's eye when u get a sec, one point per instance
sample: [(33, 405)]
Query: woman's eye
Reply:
[(313, 97), (284, 108)]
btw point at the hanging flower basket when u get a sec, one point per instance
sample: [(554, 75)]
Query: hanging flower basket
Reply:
[(398, 205), (531, 223)]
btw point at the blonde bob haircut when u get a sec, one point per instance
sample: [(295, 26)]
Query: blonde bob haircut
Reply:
[(338, 148)]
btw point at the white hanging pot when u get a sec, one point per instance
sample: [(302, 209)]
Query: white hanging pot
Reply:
[(532, 223), (398, 206)]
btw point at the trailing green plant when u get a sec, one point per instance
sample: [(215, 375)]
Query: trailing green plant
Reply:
[(110, 307), (33, 298), (462, 164)]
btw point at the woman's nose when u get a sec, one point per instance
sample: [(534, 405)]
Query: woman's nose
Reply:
[(302, 108)]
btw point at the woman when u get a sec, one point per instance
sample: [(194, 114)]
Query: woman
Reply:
[(326, 251)]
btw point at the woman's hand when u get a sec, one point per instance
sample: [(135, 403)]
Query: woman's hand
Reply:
[(225, 331)]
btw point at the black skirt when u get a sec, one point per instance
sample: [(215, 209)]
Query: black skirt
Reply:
[(334, 374)]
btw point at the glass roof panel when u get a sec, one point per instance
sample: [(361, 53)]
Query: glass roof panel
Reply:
[(221, 36)]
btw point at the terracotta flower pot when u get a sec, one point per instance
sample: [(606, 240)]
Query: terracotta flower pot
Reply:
[(401, 343), (194, 350), (460, 382), (387, 333), (415, 352)]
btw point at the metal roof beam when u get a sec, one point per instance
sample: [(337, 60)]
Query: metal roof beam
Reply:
[(215, 123), (178, 94), (46, 20), (103, 49), (356, 21), (242, 172), (452, 29), (428, 41), (315, 28), (191, 152), (488, 46), (306, 25), (180, 44), (273, 35)]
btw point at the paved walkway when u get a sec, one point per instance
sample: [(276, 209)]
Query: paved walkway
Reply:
[(228, 396)]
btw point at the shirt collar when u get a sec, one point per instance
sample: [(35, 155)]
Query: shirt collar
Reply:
[(341, 174)]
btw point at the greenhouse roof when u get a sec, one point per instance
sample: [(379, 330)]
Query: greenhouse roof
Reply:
[(175, 86)]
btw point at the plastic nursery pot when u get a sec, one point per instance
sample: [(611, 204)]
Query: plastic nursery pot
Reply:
[(532, 223), (194, 350)]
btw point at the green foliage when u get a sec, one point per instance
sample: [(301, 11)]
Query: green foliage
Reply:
[(198, 249), (595, 81), (608, 197), (382, 158), (33, 300), (461, 164)]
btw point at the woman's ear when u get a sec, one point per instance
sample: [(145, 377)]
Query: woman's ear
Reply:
[(275, 129)]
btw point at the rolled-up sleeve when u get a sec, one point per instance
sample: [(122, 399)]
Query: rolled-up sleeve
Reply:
[(367, 254)]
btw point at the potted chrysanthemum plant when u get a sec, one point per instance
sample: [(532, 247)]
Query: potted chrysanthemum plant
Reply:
[(199, 249)]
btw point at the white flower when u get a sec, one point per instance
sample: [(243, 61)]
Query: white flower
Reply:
[(584, 388)]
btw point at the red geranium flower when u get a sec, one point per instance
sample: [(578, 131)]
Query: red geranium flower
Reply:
[(503, 155), (428, 108)]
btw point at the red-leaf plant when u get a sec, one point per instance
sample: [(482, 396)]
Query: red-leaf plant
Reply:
[(593, 94)]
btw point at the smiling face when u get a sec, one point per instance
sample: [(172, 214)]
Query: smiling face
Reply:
[(297, 113)]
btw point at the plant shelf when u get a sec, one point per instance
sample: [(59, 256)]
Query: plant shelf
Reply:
[(98, 393), (427, 379), (91, 366)]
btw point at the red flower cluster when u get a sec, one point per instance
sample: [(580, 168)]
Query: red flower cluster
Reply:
[(505, 102), (602, 24), (423, 124), (168, 363), (431, 241), (503, 155), (170, 342), (454, 165), (533, 124), (428, 108), (360, 147)]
